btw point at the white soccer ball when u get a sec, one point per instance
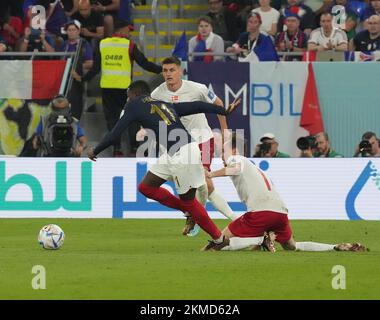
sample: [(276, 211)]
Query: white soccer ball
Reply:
[(51, 237)]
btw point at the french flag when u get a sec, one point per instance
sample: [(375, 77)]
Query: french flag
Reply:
[(26, 80)]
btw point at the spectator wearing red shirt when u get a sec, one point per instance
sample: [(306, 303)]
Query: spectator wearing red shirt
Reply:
[(11, 30)]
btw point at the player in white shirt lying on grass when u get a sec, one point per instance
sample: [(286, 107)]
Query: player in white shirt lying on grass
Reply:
[(266, 218)]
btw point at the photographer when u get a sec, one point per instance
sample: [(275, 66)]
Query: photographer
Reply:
[(323, 148), (269, 148), (57, 134), (317, 146), (369, 146), (36, 40)]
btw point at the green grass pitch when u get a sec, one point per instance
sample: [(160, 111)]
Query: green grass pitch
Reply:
[(150, 259)]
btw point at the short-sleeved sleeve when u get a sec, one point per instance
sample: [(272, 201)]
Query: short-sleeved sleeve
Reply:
[(275, 16), (207, 95), (314, 36), (80, 132), (341, 37)]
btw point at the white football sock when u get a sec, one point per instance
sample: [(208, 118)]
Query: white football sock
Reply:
[(314, 246), (220, 239), (221, 205), (237, 243), (202, 194)]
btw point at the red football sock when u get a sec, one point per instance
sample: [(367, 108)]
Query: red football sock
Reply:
[(199, 214), (161, 195)]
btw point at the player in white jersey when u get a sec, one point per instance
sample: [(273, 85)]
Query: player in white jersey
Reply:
[(176, 90), (267, 214)]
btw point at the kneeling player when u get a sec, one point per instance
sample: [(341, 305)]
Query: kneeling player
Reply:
[(266, 210)]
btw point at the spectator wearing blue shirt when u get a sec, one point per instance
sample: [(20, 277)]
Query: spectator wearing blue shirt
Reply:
[(368, 40), (72, 29), (85, 63), (254, 41), (373, 9)]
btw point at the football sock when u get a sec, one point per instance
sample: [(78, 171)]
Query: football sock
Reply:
[(314, 246), (161, 195), (199, 214), (237, 243), (202, 194), (221, 205)]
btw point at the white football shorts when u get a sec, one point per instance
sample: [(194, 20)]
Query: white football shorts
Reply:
[(184, 168)]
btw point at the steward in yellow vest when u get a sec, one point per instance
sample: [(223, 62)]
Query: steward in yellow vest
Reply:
[(116, 66), (115, 63)]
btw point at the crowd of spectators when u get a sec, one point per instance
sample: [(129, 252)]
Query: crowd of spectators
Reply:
[(22, 28), (291, 26), (245, 29)]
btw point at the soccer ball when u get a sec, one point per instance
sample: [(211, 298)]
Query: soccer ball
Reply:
[(51, 237)]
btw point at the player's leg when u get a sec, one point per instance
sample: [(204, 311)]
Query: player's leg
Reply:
[(208, 191), (150, 187), (188, 175), (285, 238), (247, 231), (202, 194), (239, 243), (191, 205), (258, 228), (291, 244)]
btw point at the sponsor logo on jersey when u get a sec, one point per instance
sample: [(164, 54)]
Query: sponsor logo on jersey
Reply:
[(211, 95)]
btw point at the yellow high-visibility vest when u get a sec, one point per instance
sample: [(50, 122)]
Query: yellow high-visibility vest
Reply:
[(116, 63)]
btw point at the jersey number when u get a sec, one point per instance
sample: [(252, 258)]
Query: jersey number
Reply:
[(160, 111)]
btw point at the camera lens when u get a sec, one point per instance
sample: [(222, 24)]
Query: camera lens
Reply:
[(365, 145), (303, 143)]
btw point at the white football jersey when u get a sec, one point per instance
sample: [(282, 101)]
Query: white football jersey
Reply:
[(254, 188), (190, 91)]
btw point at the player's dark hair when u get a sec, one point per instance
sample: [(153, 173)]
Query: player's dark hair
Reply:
[(172, 60), (139, 88)]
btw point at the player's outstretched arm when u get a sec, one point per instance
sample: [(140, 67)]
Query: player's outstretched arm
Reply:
[(91, 155), (188, 108), (232, 170), (116, 132), (222, 119)]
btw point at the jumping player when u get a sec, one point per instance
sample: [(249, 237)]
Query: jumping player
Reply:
[(176, 90), (180, 160), (266, 210)]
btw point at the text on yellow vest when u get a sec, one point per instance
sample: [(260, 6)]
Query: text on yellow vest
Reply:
[(116, 63)]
